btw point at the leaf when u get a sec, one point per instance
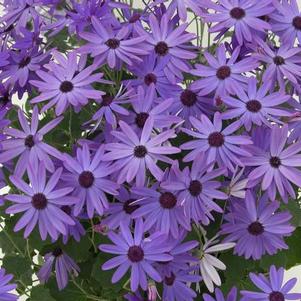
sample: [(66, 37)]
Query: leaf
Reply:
[(39, 293), (20, 267), (294, 208), (79, 251)]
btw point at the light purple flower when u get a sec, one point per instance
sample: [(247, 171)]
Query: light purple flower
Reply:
[(41, 203), (28, 143), (6, 287), (137, 253), (89, 177), (64, 265), (217, 143), (232, 296), (134, 155)]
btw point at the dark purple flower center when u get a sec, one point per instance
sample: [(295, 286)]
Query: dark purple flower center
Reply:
[(237, 13), (256, 228), (134, 18), (24, 62), (278, 60), (168, 200), (57, 252), (66, 209), (161, 48), (66, 86), (275, 162), (39, 201), (216, 139), (86, 179), (297, 22), (276, 296), (150, 78), (253, 106), (195, 187), (135, 254), (140, 151), (223, 72), (4, 99), (188, 98), (170, 280), (107, 100), (129, 207), (29, 141), (113, 43), (141, 119)]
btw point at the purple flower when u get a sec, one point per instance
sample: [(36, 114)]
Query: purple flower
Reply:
[(183, 5), (121, 211), (133, 155), (232, 296), (255, 106), (65, 84), (273, 288), (281, 63), (176, 288), (161, 210), (29, 144), (188, 103), (286, 22), (112, 105), (41, 203), (257, 229), (276, 168), (223, 75), (113, 47), (64, 265), (218, 144), (151, 71), (137, 253), (24, 65), (196, 190), (243, 15), (169, 45), (145, 105), (4, 58), (88, 176), (6, 287)]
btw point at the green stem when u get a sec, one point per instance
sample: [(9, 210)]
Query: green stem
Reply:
[(92, 297)]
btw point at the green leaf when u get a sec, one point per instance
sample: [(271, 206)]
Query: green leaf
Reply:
[(39, 293), (79, 251), (20, 267), (294, 208)]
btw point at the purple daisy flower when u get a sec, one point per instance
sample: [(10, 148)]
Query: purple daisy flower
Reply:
[(24, 65), (112, 105), (161, 210), (273, 288), (121, 211), (29, 144), (232, 296), (65, 84), (281, 63), (169, 44), (113, 47), (255, 106), (257, 229), (218, 144), (196, 190), (88, 176), (145, 105), (277, 167), (197, 6), (133, 155), (176, 288), (64, 265), (151, 71), (6, 287), (243, 15), (286, 22), (223, 75), (136, 253), (188, 103), (41, 203)]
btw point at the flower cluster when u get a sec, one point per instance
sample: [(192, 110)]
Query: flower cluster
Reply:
[(143, 148)]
